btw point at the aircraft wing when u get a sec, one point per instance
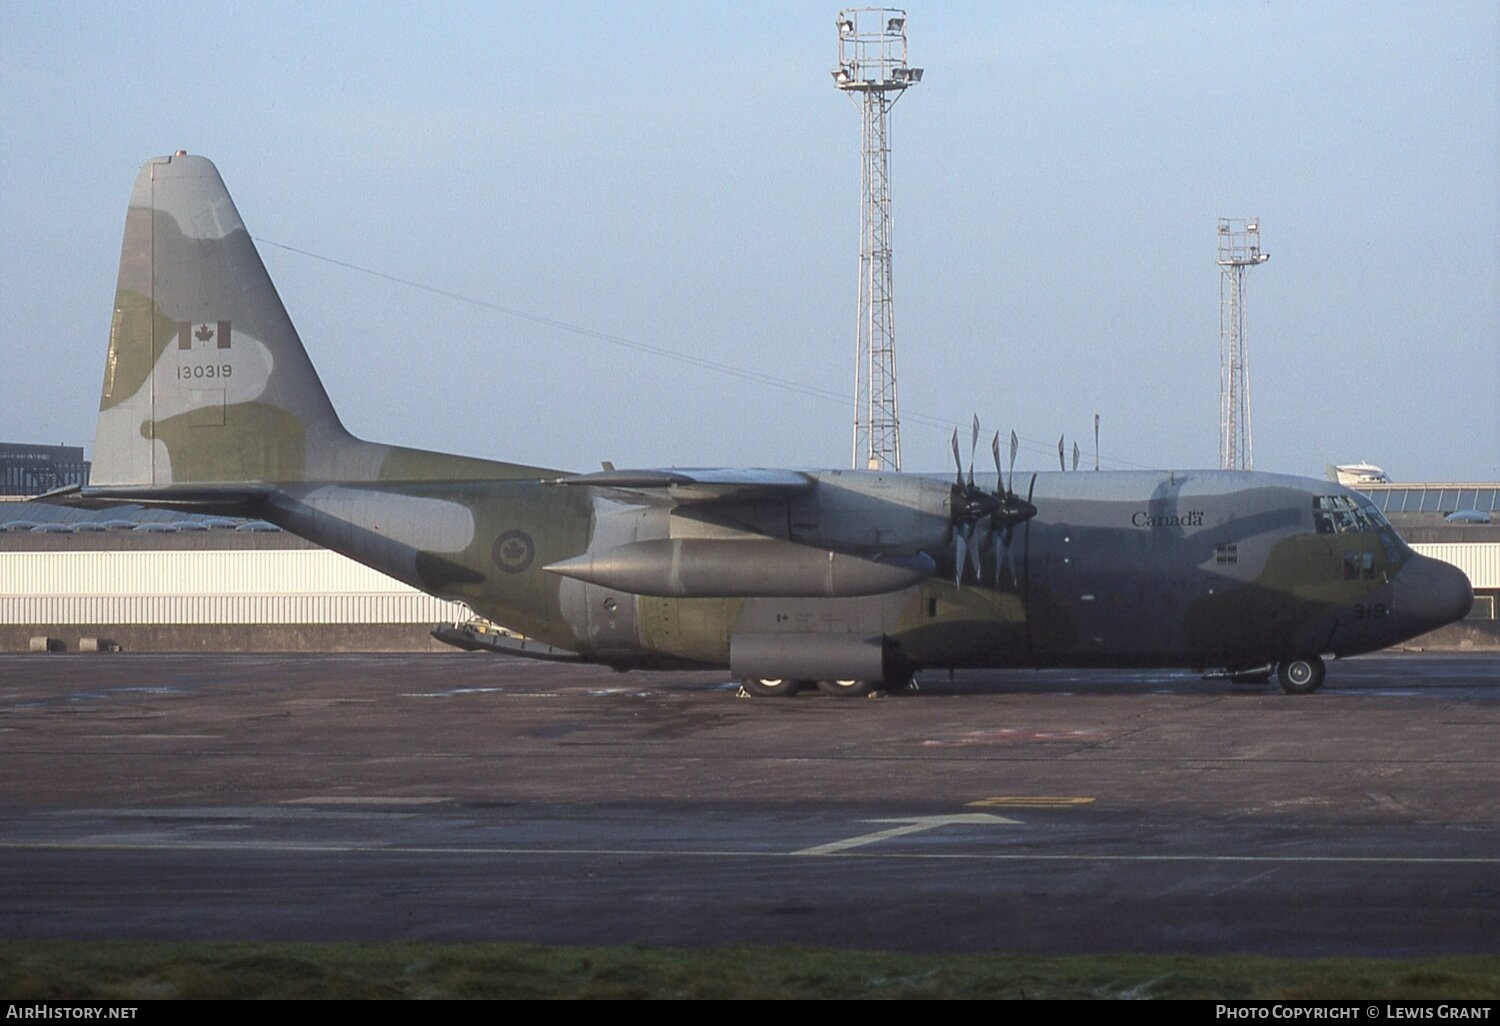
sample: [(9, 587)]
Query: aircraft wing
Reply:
[(697, 487)]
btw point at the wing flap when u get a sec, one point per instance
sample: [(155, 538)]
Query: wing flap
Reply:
[(697, 487)]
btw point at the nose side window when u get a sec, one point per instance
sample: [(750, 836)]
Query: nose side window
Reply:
[(1359, 566)]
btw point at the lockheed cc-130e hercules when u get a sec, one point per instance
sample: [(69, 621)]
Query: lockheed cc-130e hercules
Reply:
[(846, 579)]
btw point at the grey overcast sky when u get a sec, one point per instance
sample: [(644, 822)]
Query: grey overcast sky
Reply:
[(685, 176)]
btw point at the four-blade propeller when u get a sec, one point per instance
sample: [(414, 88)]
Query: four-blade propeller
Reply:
[(1003, 508)]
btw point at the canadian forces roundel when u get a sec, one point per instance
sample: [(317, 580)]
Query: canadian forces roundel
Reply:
[(513, 551)]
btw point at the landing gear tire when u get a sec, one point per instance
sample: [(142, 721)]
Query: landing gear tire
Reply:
[(846, 688), (765, 687), (1301, 676)]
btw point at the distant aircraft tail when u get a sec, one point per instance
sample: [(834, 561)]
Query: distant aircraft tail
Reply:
[(207, 386)]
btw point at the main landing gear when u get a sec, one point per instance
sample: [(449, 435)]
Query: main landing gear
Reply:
[(847, 688), (772, 687), (786, 688)]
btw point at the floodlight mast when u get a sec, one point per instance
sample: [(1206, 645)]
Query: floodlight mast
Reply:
[(874, 73), (1239, 250)]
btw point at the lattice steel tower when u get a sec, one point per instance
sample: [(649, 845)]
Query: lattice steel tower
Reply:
[(1239, 250), (873, 72)]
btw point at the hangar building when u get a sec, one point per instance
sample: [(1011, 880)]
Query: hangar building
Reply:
[(153, 580)]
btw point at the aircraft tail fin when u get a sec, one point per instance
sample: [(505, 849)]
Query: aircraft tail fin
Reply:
[(207, 384), (206, 380)]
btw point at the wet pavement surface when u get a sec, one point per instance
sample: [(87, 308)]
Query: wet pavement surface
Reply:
[(470, 797)]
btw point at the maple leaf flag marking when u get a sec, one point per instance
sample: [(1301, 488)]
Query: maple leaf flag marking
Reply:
[(187, 331)]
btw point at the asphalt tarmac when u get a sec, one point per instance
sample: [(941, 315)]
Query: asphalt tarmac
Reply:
[(457, 797)]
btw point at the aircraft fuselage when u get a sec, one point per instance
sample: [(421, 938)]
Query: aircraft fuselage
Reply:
[(1189, 569)]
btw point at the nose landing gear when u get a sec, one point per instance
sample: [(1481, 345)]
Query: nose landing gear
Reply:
[(1301, 676)]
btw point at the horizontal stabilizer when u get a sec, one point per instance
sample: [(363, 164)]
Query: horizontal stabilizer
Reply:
[(231, 501)]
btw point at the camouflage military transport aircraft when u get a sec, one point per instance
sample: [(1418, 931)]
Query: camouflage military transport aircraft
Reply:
[(846, 579)]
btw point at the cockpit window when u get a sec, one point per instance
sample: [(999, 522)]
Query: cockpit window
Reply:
[(1334, 514), (1341, 514)]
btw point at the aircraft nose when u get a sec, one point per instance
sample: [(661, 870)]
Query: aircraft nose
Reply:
[(1428, 593)]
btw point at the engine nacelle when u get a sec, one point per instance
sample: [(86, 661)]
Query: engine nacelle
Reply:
[(741, 567)]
